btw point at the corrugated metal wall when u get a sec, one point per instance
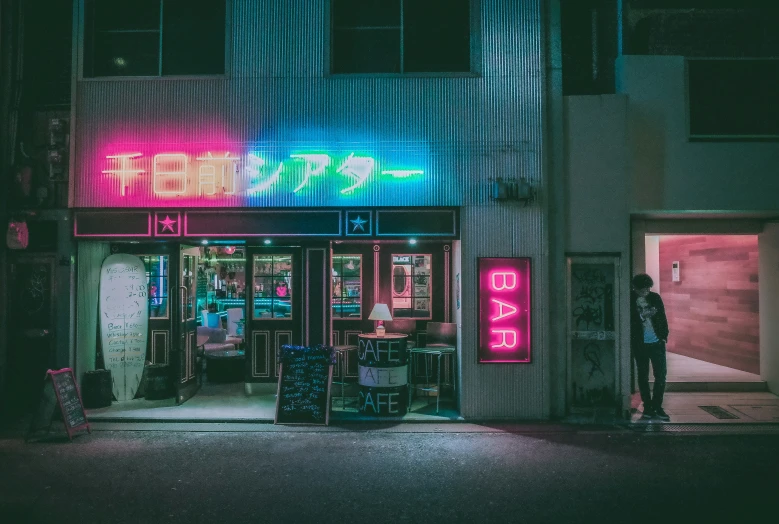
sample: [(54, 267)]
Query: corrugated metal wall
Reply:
[(464, 129)]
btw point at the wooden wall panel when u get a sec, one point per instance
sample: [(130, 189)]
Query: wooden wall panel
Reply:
[(713, 310)]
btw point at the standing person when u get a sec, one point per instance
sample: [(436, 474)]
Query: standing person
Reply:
[(648, 336)]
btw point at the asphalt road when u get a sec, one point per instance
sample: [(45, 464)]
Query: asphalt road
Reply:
[(404, 474)]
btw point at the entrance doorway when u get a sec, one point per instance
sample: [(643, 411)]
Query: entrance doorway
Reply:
[(709, 284)]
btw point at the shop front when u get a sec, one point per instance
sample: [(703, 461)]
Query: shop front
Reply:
[(227, 286)]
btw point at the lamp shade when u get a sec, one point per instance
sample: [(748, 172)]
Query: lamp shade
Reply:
[(380, 312)]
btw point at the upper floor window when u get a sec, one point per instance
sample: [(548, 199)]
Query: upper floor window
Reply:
[(401, 36), (733, 98), (154, 37)]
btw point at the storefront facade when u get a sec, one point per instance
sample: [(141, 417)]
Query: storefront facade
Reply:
[(285, 161)]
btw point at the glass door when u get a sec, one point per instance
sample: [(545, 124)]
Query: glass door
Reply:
[(186, 383), (274, 309)]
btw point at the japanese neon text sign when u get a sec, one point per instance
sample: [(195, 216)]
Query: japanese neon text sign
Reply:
[(220, 173), (504, 310)]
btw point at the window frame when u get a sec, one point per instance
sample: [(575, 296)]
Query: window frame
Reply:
[(149, 277), (340, 298), (695, 137), (273, 298), (474, 42), (411, 278), (80, 19)]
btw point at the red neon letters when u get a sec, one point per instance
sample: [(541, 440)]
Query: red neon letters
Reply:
[(504, 310)]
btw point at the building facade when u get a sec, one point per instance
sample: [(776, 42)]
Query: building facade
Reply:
[(296, 144)]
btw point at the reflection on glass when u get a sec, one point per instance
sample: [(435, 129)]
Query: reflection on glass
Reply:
[(221, 283), (188, 280), (157, 284), (272, 286), (347, 286), (411, 288)]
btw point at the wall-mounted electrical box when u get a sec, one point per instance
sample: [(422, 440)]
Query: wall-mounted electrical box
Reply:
[(675, 271)]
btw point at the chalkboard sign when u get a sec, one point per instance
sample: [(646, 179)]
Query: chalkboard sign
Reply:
[(60, 388), (304, 385)]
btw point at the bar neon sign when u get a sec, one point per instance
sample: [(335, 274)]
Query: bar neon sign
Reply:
[(504, 310), (214, 174)]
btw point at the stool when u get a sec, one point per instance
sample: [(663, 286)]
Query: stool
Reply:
[(427, 352), (340, 355)]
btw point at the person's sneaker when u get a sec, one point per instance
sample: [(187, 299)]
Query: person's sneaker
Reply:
[(662, 415), (648, 414)]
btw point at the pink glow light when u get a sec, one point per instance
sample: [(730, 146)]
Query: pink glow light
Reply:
[(504, 310)]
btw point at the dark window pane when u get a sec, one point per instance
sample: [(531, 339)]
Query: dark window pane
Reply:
[(126, 54), (124, 14), (362, 13), (733, 97), (436, 36), (193, 37), (366, 51)]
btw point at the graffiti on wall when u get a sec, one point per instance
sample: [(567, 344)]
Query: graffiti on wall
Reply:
[(592, 319)]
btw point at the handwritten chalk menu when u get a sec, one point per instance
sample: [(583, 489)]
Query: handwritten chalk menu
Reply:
[(124, 322), (60, 388), (304, 385)]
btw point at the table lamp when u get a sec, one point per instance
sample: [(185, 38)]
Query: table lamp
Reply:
[(380, 313)]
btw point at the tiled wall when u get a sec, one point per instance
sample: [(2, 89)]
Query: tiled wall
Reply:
[(713, 309)]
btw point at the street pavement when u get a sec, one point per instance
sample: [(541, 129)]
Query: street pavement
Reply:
[(422, 473)]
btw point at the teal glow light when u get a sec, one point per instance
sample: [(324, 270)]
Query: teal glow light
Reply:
[(403, 173)]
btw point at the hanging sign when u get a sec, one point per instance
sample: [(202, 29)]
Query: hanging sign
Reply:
[(504, 310), (124, 322)]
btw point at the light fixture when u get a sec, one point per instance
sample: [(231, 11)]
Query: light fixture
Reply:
[(266, 241), (412, 241), (229, 250), (204, 242), (380, 313)]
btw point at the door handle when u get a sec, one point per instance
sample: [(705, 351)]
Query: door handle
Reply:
[(184, 300)]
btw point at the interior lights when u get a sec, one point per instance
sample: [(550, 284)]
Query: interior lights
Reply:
[(412, 241), (266, 241), (204, 242)]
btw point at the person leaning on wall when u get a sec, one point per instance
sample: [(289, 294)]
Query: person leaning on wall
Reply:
[(648, 337)]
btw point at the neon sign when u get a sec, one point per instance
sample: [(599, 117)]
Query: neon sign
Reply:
[(222, 173), (504, 310)]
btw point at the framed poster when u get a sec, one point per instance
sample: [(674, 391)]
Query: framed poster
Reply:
[(504, 310)]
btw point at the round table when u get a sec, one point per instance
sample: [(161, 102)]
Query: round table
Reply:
[(226, 365), (383, 374)]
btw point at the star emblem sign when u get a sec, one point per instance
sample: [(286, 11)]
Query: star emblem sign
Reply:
[(358, 223), (167, 224)]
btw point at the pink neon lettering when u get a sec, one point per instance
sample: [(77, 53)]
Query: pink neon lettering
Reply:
[(207, 173), (505, 278), (124, 170), (512, 310), (170, 169), (503, 342)]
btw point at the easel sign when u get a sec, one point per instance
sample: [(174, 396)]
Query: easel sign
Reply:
[(60, 388), (303, 395)]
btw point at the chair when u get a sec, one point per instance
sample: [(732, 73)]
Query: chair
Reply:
[(441, 341), (404, 327), (209, 320), (234, 315)]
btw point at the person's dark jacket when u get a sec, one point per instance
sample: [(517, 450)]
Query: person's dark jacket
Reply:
[(659, 320)]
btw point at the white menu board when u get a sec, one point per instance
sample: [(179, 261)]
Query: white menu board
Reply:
[(124, 321)]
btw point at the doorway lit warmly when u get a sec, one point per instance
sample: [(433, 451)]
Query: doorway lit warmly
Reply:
[(709, 284)]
